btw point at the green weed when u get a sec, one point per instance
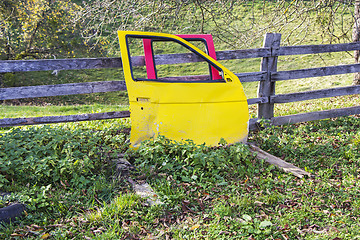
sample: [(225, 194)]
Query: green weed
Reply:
[(59, 170)]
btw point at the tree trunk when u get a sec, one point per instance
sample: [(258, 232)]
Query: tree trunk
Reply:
[(356, 38)]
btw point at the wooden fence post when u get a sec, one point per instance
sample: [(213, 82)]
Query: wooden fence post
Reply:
[(268, 64)]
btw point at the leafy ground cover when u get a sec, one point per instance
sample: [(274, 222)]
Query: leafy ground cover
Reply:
[(65, 175)]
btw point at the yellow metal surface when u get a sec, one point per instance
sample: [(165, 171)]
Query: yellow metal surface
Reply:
[(202, 112)]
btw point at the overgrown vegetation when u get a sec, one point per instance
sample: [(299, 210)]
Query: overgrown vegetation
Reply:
[(59, 170), (65, 175)]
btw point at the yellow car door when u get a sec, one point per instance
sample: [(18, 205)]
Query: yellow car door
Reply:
[(194, 107)]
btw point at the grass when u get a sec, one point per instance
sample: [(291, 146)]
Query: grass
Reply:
[(65, 175), (207, 192)]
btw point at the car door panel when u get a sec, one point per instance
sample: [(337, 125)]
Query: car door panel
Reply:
[(201, 111)]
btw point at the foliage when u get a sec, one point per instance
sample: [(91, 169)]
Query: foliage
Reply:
[(39, 29), (322, 141), (219, 192), (50, 155), (190, 162), (54, 169), (64, 173), (235, 24)]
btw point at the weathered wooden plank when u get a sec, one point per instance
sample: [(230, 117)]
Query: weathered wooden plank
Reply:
[(11, 212), (285, 166), (96, 63), (253, 124), (312, 116), (63, 64), (316, 94), (145, 191), (9, 122), (162, 59), (313, 49), (267, 87), (244, 53), (252, 76), (61, 89), (315, 72), (89, 87), (257, 100)]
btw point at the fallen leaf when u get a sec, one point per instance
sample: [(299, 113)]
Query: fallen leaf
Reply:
[(63, 184), (196, 226), (247, 217), (247, 179), (45, 236), (34, 226), (265, 224), (16, 235), (56, 225)]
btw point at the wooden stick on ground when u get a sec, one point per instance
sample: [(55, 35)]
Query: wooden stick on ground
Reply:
[(145, 191), (287, 167)]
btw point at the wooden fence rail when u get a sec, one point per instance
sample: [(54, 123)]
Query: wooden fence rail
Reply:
[(267, 78), (61, 89), (6, 122)]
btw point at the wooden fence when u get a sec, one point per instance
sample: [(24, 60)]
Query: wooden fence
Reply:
[(267, 77)]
